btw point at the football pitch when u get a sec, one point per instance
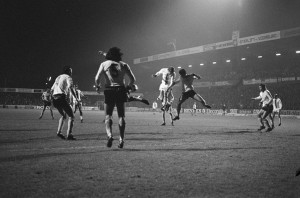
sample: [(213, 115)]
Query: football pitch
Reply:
[(201, 156)]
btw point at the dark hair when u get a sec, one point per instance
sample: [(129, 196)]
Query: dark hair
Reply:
[(114, 54), (67, 70), (263, 86), (171, 69), (182, 72)]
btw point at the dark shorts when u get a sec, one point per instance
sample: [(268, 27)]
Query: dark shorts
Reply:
[(268, 108), (185, 95), (47, 103), (114, 95), (60, 101)]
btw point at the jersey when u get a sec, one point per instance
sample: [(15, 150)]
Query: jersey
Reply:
[(187, 82), (46, 96), (167, 78), (114, 73), (62, 85), (277, 104), (265, 97)]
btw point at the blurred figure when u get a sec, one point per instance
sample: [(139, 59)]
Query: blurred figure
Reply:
[(277, 106), (168, 109), (47, 98), (266, 100), (61, 89), (115, 92), (194, 110), (78, 105), (168, 76), (224, 109), (154, 106), (187, 90)]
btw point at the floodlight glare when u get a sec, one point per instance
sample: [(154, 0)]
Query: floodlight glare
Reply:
[(259, 57), (243, 58), (227, 61), (190, 65), (201, 64), (278, 54), (214, 63), (298, 52)]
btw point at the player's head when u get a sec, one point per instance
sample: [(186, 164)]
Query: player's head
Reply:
[(67, 70), (171, 70), (182, 72), (262, 87), (114, 54)]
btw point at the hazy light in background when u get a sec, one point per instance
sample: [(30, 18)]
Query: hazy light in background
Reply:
[(179, 67), (190, 65), (228, 61), (259, 57), (201, 64), (298, 52), (214, 63), (243, 59), (278, 54)]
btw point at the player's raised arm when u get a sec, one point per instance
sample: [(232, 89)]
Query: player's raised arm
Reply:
[(98, 77), (257, 98), (157, 73), (130, 75), (196, 76)]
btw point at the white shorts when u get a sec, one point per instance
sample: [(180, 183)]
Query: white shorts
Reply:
[(276, 110), (163, 87)]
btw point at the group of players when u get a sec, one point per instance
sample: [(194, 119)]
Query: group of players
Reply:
[(117, 93)]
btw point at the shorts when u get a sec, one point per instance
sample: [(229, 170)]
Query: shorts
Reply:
[(47, 103), (163, 87), (185, 95), (276, 110), (268, 108), (114, 95), (60, 101)]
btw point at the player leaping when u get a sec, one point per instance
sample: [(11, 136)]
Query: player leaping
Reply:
[(187, 90), (168, 76)]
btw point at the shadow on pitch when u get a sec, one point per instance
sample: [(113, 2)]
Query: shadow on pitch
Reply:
[(193, 149)]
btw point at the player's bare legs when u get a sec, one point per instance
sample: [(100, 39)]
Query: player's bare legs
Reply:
[(42, 113), (164, 118), (51, 112), (279, 118), (122, 124), (171, 116), (108, 122), (178, 109), (198, 98)]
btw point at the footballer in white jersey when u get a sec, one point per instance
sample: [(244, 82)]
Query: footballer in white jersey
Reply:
[(277, 106), (266, 100), (47, 98), (168, 76)]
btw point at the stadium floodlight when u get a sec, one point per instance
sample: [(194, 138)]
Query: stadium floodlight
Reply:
[(179, 67), (243, 59), (190, 65), (259, 57), (214, 62), (298, 52), (278, 54), (201, 64), (228, 61)]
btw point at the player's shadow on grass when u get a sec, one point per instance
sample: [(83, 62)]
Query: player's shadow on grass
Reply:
[(37, 156), (25, 130), (193, 149)]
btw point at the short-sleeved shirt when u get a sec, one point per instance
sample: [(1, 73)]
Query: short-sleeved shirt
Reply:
[(167, 77), (46, 96), (62, 85), (265, 97)]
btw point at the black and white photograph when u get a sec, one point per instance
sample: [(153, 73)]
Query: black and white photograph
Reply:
[(150, 98)]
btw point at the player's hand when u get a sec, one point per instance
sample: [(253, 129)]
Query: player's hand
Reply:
[(153, 75), (98, 88)]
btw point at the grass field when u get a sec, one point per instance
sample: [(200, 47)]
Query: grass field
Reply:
[(201, 156)]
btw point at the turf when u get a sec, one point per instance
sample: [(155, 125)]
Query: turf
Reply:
[(201, 156)]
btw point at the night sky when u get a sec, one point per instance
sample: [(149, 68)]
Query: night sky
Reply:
[(39, 37)]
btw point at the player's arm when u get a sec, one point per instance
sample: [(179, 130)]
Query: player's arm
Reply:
[(196, 76), (98, 77), (130, 76), (173, 84), (157, 73), (256, 98), (270, 98)]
